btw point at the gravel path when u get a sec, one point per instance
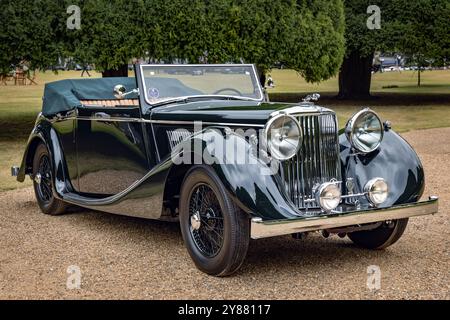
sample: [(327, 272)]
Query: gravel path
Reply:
[(123, 257)]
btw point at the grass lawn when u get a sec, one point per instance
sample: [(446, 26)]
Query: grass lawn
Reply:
[(433, 82), (406, 106), (19, 106)]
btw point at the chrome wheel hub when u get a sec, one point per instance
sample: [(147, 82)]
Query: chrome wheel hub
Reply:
[(195, 221), (38, 178), (206, 220)]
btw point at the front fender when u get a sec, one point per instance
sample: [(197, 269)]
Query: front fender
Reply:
[(245, 177), (395, 161)]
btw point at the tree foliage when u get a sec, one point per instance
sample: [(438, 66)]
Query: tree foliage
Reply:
[(425, 30), (28, 30), (418, 28), (306, 35), (408, 26)]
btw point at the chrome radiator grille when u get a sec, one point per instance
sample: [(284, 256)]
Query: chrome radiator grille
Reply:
[(316, 162)]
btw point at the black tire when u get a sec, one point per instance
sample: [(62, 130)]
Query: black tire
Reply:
[(223, 256), (44, 190), (381, 237)]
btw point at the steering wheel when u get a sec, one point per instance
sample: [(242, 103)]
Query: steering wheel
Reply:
[(228, 89)]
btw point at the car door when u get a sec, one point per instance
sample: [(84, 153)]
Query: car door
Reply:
[(111, 152)]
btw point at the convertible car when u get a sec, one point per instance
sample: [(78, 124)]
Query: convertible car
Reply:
[(202, 145)]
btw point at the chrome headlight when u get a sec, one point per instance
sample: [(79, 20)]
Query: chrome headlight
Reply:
[(364, 131), (283, 136), (377, 191)]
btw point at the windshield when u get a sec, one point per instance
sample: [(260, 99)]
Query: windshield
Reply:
[(165, 83)]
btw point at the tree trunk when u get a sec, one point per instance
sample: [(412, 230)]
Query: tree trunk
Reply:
[(355, 76), (418, 76), (262, 75), (122, 71)]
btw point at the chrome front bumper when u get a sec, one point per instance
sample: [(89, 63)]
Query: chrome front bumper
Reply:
[(272, 228)]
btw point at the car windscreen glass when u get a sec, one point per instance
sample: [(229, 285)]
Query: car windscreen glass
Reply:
[(164, 83)]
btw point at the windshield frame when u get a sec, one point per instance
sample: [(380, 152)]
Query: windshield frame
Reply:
[(203, 96)]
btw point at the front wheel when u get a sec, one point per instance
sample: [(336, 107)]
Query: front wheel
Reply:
[(382, 237), (215, 231), (43, 183)]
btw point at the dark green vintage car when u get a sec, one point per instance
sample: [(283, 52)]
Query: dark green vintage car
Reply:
[(201, 144)]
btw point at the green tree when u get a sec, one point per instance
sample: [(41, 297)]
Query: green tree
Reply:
[(28, 31), (426, 36), (306, 35), (107, 36), (417, 28)]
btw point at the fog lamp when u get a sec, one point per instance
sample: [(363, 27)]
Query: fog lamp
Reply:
[(376, 191), (328, 196)]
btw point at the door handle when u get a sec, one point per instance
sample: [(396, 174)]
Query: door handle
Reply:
[(102, 115)]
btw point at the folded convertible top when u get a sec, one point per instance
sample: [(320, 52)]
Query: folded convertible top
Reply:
[(65, 95)]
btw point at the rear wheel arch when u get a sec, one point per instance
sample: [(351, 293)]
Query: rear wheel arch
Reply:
[(31, 150)]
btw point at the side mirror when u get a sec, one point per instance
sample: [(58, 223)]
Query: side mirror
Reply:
[(119, 91)]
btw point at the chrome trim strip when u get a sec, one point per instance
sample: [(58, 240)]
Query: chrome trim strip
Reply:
[(205, 122), (255, 74), (112, 119), (94, 202), (272, 228), (123, 119)]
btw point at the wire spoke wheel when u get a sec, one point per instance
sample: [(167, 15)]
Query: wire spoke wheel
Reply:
[(206, 220), (44, 178), (215, 231), (43, 183)]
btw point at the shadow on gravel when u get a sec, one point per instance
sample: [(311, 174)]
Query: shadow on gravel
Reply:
[(264, 255), (309, 254)]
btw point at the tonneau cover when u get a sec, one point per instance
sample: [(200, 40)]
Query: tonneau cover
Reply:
[(65, 95)]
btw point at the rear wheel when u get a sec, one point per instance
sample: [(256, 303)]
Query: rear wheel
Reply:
[(43, 183), (382, 237), (215, 231)]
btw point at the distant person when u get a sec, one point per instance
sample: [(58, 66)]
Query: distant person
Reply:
[(24, 65), (85, 69), (377, 63), (270, 82), (399, 62)]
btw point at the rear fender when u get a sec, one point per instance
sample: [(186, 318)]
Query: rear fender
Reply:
[(44, 133)]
